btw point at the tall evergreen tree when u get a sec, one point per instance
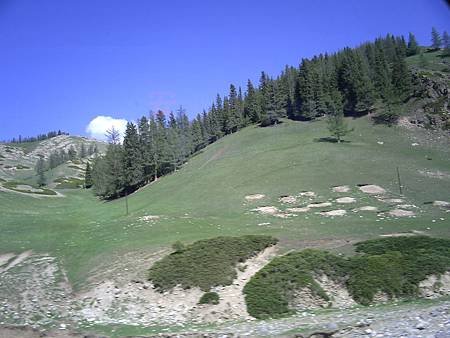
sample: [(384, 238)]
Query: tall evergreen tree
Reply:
[(436, 40), (252, 108), (88, 176), (413, 46), (40, 171), (446, 43), (133, 163)]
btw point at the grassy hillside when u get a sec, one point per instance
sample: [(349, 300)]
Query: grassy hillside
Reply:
[(206, 198)]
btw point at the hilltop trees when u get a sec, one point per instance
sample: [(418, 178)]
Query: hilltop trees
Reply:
[(353, 81), (436, 40), (413, 46)]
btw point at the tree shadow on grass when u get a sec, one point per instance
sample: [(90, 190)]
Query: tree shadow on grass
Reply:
[(329, 140)]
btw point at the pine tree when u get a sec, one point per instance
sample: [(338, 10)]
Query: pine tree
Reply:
[(382, 78), (234, 118), (88, 176), (446, 43), (401, 79), (413, 46), (337, 125), (436, 40), (72, 153), (83, 151), (133, 163), (252, 108), (40, 171)]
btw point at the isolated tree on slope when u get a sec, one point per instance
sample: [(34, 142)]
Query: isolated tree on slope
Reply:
[(40, 170), (413, 46), (436, 40), (88, 177), (337, 126), (446, 43)]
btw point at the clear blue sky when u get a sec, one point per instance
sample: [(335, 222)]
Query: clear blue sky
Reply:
[(64, 62)]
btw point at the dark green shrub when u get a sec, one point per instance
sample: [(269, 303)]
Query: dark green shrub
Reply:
[(206, 263), (209, 298)]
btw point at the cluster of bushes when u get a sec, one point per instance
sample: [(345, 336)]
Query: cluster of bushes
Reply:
[(394, 266), (206, 263), (12, 185)]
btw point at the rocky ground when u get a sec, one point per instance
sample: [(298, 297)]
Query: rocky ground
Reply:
[(34, 293)]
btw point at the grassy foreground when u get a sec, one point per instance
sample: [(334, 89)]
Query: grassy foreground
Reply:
[(206, 198)]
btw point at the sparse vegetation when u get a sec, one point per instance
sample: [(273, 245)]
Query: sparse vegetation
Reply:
[(206, 263), (394, 266)]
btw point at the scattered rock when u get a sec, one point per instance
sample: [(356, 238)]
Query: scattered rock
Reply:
[(319, 205), (254, 197), (372, 189), (338, 212), (287, 199), (401, 213), (341, 188), (346, 200)]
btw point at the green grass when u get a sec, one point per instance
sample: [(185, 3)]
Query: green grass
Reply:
[(69, 183), (14, 186), (435, 61), (206, 198), (206, 263), (394, 266)]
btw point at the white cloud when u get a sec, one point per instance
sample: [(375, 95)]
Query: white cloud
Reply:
[(99, 125)]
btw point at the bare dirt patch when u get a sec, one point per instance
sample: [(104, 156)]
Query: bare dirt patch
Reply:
[(337, 292), (435, 174), (341, 188), (254, 197), (5, 258), (372, 189), (137, 302), (435, 286)]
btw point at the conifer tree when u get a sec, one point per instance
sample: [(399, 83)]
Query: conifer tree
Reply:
[(252, 108), (88, 176), (446, 43), (337, 126), (40, 171), (436, 40), (413, 46), (133, 164), (401, 79)]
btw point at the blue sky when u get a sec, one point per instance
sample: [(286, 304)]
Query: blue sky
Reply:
[(65, 62)]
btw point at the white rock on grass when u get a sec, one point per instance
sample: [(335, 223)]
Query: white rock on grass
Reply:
[(338, 212), (319, 205), (443, 204), (401, 213), (254, 197), (346, 200), (341, 188), (366, 208), (372, 189)]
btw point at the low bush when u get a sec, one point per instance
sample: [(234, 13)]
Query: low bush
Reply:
[(206, 263), (394, 266), (209, 298)]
